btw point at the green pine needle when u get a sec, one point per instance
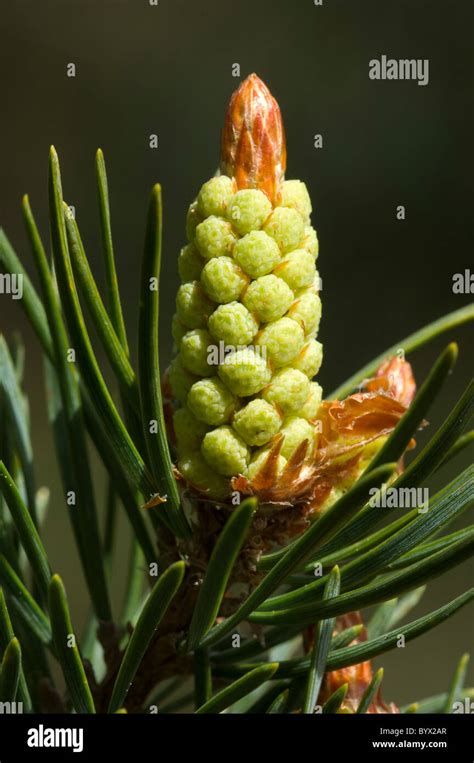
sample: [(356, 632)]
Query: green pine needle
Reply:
[(334, 702), (370, 692), (456, 684), (322, 643), (23, 602), (113, 292), (278, 706), (154, 430), (10, 670), (66, 649), (26, 529), (154, 609), (240, 688), (219, 570)]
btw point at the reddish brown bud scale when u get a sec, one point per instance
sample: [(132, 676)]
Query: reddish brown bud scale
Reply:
[(253, 149), (395, 376)]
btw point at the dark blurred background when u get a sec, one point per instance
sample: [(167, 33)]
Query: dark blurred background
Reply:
[(167, 70)]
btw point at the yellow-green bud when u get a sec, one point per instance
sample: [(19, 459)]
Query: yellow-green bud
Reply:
[(211, 401), (245, 372), (257, 253), (193, 218), (297, 269), (286, 226), (268, 298), (257, 422), (214, 237), (194, 352), (248, 210), (190, 263), (214, 196), (311, 407), (178, 330), (288, 390), (294, 194), (306, 310), (223, 280), (283, 340), (310, 241), (180, 379), (188, 429), (192, 305), (233, 324), (225, 451), (198, 473), (309, 360)]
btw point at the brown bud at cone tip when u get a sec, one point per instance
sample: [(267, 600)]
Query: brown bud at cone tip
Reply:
[(253, 149)]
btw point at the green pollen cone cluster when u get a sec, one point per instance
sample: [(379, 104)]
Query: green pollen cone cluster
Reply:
[(245, 330)]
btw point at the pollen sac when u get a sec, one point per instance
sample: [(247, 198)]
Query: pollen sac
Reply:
[(306, 310), (223, 280), (282, 340), (257, 422), (247, 319), (288, 390), (180, 379), (310, 241), (311, 406), (225, 451), (245, 372), (211, 401), (214, 237), (214, 196), (190, 263), (294, 194), (257, 254), (193, 218), (309, 359), (189, 431), (193, 307), (297, 269), (178, 330), (248, 210), (286, 226), (195, 352), (197, 472), (233, 324), (268, 298)]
